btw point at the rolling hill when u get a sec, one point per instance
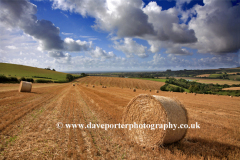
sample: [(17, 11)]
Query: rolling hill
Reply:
[(15, 70)]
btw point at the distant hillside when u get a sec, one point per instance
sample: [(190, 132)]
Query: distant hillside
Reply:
[(14, 70)]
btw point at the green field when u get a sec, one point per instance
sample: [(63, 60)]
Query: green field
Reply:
[(153, 79), (215, 75), (234, 77), (14, 70), (185, 90)]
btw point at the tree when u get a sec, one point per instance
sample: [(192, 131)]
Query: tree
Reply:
[(83, 74), (190, 89), (195, 88), (163, 88), (69, 77), (53, 69), (23, 79)]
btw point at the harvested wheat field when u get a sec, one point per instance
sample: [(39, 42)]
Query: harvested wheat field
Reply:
[(121, 82), (232, 88), (28, 123), (203, 75)]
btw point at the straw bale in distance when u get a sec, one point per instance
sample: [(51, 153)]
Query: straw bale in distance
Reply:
[(134, 90), (156, 91), (25, 86), (155, 109), (149, 90), (93, 86), (73, 84)]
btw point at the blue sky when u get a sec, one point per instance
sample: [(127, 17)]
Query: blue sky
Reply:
[(115, 35)]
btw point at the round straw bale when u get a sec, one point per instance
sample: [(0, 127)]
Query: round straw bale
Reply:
[(73, 84), (156, 91), (149, 90), (93, 86), (134, 90), (25, 86), (102, 86), (148, 109), (231, 96), (86, 85), (185, 92), (195, 94)]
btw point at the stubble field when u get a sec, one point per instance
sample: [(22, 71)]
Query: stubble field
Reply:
[(28, 123)]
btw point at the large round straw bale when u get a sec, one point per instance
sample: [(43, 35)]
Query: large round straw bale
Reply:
[(195, 94), (86, 85), (149, 90), (73, 84), (231, 96), (25, 86), (156, 91), (148, 109), (93, 86), (134, 90), (185, 92)]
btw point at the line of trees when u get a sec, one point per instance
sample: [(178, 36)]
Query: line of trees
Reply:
[(4, 79), (195, 87), (70, 77)]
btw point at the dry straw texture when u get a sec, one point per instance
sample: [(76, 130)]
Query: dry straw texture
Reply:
[(25, 86), (155, 109)]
